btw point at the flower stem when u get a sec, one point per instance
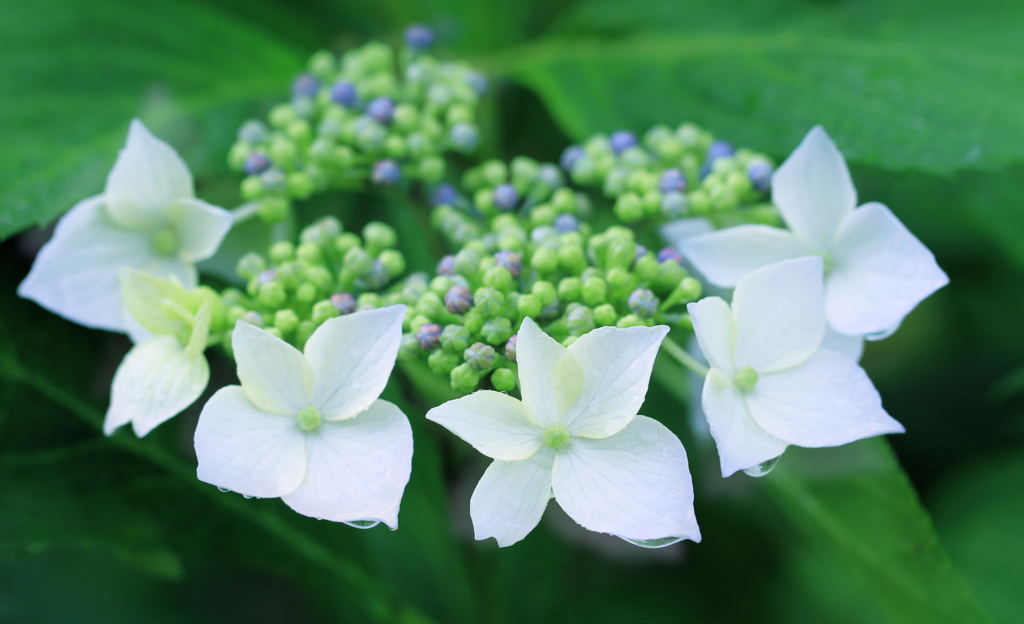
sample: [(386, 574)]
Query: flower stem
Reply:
[(246, 211), (683, 357)]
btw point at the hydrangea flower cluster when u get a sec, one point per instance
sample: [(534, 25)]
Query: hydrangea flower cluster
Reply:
[(535, 299)]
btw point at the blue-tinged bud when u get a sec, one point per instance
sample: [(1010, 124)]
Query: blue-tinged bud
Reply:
[(480, 357), (382, 109), (580, 321), (458, 299), (510, 260), (672, 180), (670, 253), (444, 195), (376, 278), (429, 336), (510, 347), (250, 265), (496, 331), (478, 81), (639, 252), (464, 137), (467, 262), (760, 174), (622, 141), (551, 311), (550, 176), (344, 92), (446, 266), (643, 303), (571, 156), (419, 36), (565, 222), (409, 348), (305, 86), (719, 149), (673, 204), (252, 131), (386, 172), (506, 197), (345, 303), (273, 180)]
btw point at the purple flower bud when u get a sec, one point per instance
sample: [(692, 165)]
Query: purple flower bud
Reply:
[(510, 260), (672, 180), (719, 149), (345, 303), (506, 197), (429, 336), (419, 36), (760, 173), (643, 303), (256, 163), (565, 222), (458, 299), (344, 92), (381, 109), (670, 253), (510, 347), (571, 156), (622, 141), (386, 172), (446, 266), (305, 85), (444, 194)]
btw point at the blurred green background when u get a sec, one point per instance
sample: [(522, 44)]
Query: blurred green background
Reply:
[(924, 98)]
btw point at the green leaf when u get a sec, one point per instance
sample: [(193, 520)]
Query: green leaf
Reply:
[(856, 504), (75, 73), (921, 85)]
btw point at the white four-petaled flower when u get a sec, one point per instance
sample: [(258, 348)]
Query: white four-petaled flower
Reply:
[(876, 271), (771, 384), (147, 219), (308, 427), (576, 436)]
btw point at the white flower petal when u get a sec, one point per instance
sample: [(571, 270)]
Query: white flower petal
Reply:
[(200, 227), (275, 375), (148, 175), (715, 329), (154, 382), (881, 272), (511, 497), (242, 448), (850, 346), (352, 357), (780, 314), (550, 378), (617, 367), (635, 484), (725, 256), (813, 189), (75, 274), (357, 468), (493, 422), (826, 401), (741, 442)]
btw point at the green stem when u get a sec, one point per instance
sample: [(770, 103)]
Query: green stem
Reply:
[(246, 211), (381, 603), (684, 358)]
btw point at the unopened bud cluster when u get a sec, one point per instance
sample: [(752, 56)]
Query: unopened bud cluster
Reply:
[(366, 116), (671, 174)]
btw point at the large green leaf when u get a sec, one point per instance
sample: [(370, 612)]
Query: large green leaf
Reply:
[(933, 86), (73, 74)]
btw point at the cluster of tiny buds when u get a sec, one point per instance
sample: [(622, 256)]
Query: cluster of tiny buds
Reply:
[(330, 272), (366, 116), (672, 174)]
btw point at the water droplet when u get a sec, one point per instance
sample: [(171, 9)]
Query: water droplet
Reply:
[(363, 524), (763, 468), (658, 542), (246, 496), (222, 489)]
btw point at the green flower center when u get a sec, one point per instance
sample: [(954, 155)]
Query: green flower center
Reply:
[(309, 419), (556, 436), (166, 242), (745, 379)]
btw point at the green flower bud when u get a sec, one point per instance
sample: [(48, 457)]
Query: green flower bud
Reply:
[(494, 172), (431, 306), (480, 357), (499, 278), (629, 208), (569, 340), (542, 214), (443, 362), (570, 289), (646, 268), (250, 265), (579, 321), (286, 320), (605, 315), (630, 320), (368, 301), (233, 297), (379, 236), (358, 261), (563, 200), (405, 118), (594, 291), (484, 200), (393, 261), (322, 311), (572, 259), (503, 379), (346, 241), (252, 188), (700, 203), (621, 282), (274, 209), (670, 273), (441, 285), (496, 331), (467, 262), (459, 113), (271, 295), (545, 260), (235, 313), (282, 115), (544, 291), (409, 348), (529, 305), (306, 293), (524, 172), (464, 378), (620, 253), (283, 151), (488, 301), (431, 169), (455, 338), (299, 131), (281, 252), (239, 153), (474, 321), (309, 252), (275, 332), (319, 276)]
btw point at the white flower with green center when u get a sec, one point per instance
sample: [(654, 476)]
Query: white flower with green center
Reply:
[(147, 219), (876, 271), (308, 427), (576, 436), (167, 371), (771, 383)]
